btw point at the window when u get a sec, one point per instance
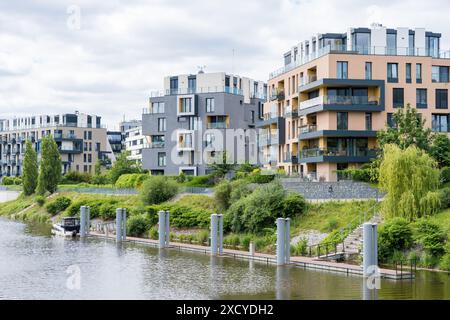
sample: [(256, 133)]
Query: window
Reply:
[(369, 121), (418, 72), (408, 73), (157, 107), (174, 85), (209, 139), (441, 98), (252, 116), (392, 72), (439, 74), (411, 45), (421, 98), (210, 105), (439, 123), (432, 46), (342, 121), (161, 159), (368, 70), (398, 98), (391, 40), (161, 124), (192, 85), (342, 70), (186, 105), (390, 121), (361, 42)]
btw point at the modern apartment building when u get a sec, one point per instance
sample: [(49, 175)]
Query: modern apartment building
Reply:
[(135, 142), (117, 138), (81, 139), (336, 90), (187, 123)]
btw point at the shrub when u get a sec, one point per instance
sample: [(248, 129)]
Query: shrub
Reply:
[(181, 216), (100, 179), (360, 174), (232, 240), (431, 237), (203, 237), (222, 194), (445, 174), (257, 177), (396, 234), (293, 204), (9, 181), (181, 177), (245, 241), (158, 189), (332, 224), (300, 248), (444, 195), (58, 205), (200, 181), (137, 225), (131, 180), (75, 177), (40, 200), (154, 233), (444, 264)]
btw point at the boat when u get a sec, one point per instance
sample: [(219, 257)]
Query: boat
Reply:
[(68, 227)]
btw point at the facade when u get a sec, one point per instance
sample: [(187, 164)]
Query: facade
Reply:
[(337, 90), (117, 138), (81, 140), (187, 123), (135, 142)]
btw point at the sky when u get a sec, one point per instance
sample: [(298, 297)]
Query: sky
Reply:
[(105, 57)]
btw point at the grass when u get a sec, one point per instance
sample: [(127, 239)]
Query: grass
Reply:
[(443, 219)]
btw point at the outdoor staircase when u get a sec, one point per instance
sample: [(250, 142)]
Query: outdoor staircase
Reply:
[(353, 242)]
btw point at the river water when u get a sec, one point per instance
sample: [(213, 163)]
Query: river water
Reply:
[(35, 265)]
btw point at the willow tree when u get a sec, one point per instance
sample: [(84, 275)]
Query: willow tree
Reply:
[(410, 179), (30, 170)]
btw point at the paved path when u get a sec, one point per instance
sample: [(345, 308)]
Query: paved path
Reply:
[(305, 262)]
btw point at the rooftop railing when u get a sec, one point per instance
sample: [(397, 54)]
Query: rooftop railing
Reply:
[(375, 50), (180, 91)]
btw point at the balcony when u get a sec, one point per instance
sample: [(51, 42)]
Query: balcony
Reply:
[(157, 144), (336, 155), (66, 136), (189, 91), (71, 150), (308, 79), (308, 128), (290, 158), (289, 112), (270, 118), (277, 95), (216, 125), (342, 103), (268, 139)]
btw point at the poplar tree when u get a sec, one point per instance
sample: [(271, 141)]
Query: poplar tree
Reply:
[(30, 170), (50, 166)]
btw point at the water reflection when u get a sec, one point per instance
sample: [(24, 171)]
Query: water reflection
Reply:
[(33, 265)]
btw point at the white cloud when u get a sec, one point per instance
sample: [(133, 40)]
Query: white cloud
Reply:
[(125, 48)]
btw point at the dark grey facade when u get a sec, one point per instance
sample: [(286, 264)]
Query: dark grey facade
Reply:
[(184, 154)]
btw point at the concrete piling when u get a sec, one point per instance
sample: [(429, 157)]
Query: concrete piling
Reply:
[(124, 224), (167, 235), (283, 241), (370, 248), (119, 231), (164, 229), (83, 221), (216, 234), (220, 216)]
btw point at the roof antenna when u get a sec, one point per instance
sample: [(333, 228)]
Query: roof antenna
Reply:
[(201, 69)]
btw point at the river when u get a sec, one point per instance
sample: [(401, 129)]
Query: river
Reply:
[(35, 265)]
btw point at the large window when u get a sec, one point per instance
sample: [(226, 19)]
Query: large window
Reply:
[(418, 72), (421, 98), (439, 123), (192, 84), (408, 73), (157, 107), (342, 120), (210, 105), (432, 46), (342, 70), (398, 100), (440, 74), (174, 85), (392, 72), (161, 124), (441, 98), (391, 41), (368, 70), (361, 42), (411, 45), (186, 105), (161, 159)]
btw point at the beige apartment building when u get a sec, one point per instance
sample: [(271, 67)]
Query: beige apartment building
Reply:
[(81, 140), (336, 91)]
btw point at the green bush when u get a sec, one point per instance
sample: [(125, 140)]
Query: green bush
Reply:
[(360, 174), (158, 189), (431, 237), (58, 205), (75, 177), (10, 181), (394, 235), (332, 224), (203, 237), (222, 194), (444, 264), (100, 179), (293, 204), (200, 181), (300, 248), (181, 216), (138, 225), (40, 200), (232, 240), (131, 180), (444, 195), (154, 233), (257, 177), (445, 174), (245, 241)]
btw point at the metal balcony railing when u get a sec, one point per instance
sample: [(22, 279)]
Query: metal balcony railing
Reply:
[(317, 152), (308, 128)]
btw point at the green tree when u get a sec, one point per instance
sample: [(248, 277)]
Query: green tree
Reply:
[(409, 130), (440, 149), (158, 189), (98, 167), (410, 178), (50, 166), (121, 166), (221, 167), (30, 170)]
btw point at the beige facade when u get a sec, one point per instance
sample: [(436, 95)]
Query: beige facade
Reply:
[(329, 108), (80, 147)]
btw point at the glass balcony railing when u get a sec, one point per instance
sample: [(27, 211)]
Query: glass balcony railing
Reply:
[(340, 100), (269, 139), (290, 157), (308, 128), (270, 115), (373, 50), (335, 152), (217, 125), (157, 144), (180, 91)]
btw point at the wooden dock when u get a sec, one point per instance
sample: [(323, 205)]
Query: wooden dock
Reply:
[(298, 261)]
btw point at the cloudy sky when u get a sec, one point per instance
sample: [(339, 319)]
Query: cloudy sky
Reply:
[(105, 57)]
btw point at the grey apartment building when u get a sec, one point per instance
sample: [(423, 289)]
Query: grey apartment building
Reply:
[(81, 140), (186, 124)]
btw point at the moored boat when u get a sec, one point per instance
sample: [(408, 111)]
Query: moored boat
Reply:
[(68, 227)]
